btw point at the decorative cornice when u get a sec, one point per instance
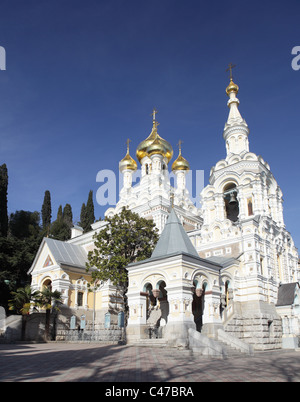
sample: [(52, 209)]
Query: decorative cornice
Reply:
[(229, 130)]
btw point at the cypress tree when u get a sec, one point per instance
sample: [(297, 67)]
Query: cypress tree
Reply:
[(83, 217), (61, 227), (3, 200), (46, 210), (59, 213), (68, 215), (90, 212)]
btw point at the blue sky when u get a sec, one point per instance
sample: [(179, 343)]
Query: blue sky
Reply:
[(83, 76)]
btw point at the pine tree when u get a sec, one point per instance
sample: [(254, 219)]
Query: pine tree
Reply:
[(3, 200), (46, 210)]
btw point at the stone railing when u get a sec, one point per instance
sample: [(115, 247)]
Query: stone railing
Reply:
[(199, 343), (234, 342)]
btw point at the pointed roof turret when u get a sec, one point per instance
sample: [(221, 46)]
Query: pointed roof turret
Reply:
[(235, 125), (174, 239)]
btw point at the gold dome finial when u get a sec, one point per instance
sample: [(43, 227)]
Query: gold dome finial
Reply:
[(232, 87), (180, 163), (128, 162), (154, 111)]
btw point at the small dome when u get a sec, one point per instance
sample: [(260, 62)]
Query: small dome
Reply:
[(180, 163), (232, 87), (127, 163)]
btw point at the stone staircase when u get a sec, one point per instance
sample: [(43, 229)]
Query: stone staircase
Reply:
[(152, 343), (228, 350), (222, 345), (203, 345)]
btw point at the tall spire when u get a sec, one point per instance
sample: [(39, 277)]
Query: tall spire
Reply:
[(236, 130)]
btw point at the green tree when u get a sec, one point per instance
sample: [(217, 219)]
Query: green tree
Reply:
[(68, 215), (46, 211), (24, 224), (59, 213), (3, 200), (126, 238), (17, 252), (87, 214), (90, 211), (83, 219), (22, 301), (61, 227), (50, 301)]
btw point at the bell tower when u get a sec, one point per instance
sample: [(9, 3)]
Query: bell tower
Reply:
[(236, 130)]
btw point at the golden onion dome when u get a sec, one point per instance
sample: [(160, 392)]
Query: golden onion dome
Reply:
[(156, 148), (142, 148), (232, 87), (127, 163), (180, 163)]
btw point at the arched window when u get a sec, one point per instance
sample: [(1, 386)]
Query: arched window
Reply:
[(80, 299), (250, 206), (161, 285), (227, 293)]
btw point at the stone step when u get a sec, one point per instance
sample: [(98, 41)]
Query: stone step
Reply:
[(230, 351), (156, 343)]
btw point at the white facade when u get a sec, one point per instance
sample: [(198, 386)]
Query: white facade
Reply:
[(244, 252), (240, 226)]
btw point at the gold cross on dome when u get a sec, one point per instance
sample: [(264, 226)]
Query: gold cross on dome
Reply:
[(230, 67), (127, 142), (154, 113), (179, 145)]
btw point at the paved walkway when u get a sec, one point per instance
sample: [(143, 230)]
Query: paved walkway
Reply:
[(66, 362)]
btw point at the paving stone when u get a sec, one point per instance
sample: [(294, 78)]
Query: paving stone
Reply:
[(67, 362)]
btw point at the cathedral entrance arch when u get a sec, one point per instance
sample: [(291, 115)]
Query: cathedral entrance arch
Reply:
[(198, 304), (156, 305), (163, 302), (47, 283), (226, 305), (151, 300)]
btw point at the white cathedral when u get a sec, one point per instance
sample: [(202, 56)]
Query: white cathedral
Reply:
[(226, 269)]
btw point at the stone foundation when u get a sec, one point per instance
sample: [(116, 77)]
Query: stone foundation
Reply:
[(258, 324), (113, 335), (176, 334)]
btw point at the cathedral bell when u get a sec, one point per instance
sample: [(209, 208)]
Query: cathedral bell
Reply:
[(233, 199)]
